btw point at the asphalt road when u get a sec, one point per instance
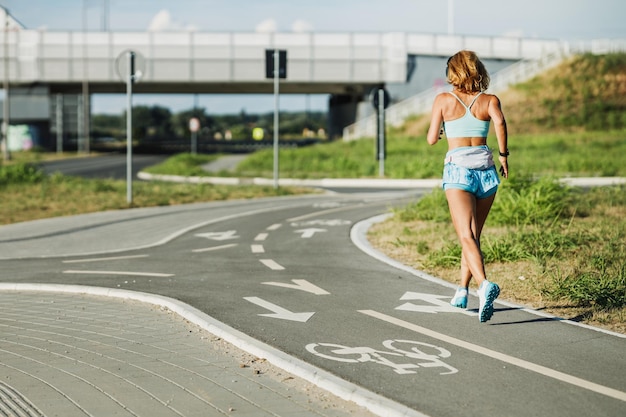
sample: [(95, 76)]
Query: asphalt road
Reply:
[(111, 165), (287, 272)]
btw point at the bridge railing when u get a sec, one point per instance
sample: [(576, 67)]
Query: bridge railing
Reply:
[(63, 56), (397, 113)]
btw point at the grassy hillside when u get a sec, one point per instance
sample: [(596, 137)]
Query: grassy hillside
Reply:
[(586, 92)]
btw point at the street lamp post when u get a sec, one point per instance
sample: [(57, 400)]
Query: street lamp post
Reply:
[(450, 17), (5, 108), (84, 146)]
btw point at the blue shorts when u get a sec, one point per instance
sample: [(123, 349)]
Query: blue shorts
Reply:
[(482, 183)]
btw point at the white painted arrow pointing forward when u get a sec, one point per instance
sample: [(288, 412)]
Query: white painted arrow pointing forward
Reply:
[(436, 304), (307, 233), (279, 312), (300, 284), (231, 234)]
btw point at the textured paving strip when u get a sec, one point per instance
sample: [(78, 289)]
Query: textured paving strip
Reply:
[(83, 355)]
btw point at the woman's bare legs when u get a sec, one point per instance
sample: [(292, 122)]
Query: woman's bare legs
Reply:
[(468, 216)]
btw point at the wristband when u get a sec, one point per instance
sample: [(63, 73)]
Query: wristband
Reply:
[(504, 153)]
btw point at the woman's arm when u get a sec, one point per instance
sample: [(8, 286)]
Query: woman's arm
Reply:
[(499, 124), (434, 131)]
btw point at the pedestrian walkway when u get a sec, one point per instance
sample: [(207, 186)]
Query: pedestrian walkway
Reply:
[(224, 163), (67, 353)]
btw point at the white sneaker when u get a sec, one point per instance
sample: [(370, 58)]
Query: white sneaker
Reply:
[(460, 298), (487, 293)]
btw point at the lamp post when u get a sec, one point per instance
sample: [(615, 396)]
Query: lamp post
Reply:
[(86, 126), (5, 108), (450, 17)]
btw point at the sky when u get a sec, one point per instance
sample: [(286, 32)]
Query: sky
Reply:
[(569, 20)]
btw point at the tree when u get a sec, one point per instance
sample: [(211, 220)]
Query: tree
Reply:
[(152, 123)]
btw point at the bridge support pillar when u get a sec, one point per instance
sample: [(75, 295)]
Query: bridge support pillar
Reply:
[(342, 112)]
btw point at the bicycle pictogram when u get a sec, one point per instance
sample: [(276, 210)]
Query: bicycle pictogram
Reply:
[(424, 355)]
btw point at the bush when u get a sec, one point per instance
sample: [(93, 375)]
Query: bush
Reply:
[(431, 207), (591, 288), (523, 201), (185, 164), (20, 174)]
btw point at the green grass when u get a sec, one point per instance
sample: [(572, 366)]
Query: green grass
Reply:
[(28, 194), (576, 239), (556, 154), (185, 164)]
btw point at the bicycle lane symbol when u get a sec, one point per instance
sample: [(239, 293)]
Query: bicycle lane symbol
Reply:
[(423, 355)]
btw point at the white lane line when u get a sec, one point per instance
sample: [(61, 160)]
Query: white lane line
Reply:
[(261, 236), (230, 245), (579, 382), (111, 258), (141, 274), (257, 248), (274, 226), (272, 264)]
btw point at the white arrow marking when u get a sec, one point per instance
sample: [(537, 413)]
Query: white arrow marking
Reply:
[(231, 234), (279, 312), (307, 233), (438, 304), (300, 284)]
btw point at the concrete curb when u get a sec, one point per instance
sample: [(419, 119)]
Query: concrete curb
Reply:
[(324, 182), (352, 182)]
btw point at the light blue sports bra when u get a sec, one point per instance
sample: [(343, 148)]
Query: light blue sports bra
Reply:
[(467, 126)]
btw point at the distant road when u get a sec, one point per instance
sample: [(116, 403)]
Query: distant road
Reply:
[(111, 166)]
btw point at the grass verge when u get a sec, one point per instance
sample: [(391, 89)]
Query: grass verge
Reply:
[(552, 247), (29, 194)]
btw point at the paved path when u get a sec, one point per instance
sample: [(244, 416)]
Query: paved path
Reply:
[(224, 163), (75, 354)]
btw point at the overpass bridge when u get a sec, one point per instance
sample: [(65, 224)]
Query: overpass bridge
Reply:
[(40, 66), (190, 62)]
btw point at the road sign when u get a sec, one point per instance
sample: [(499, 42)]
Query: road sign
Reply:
[(133, 65), (269, 63), (258, 133), (194, 124), (376, 97)]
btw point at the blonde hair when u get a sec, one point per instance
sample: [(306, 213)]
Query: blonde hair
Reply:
[(467, 73)]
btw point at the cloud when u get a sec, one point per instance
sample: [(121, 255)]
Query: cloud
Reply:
[(301, 26), (162, 21), (267, 26)]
